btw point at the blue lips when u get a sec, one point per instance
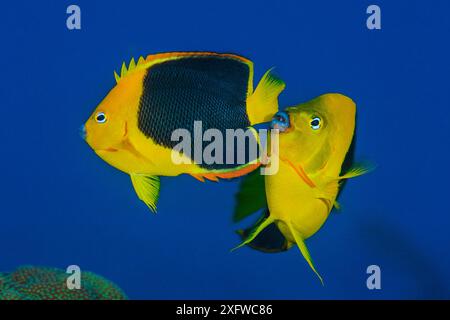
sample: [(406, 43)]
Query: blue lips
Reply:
[(280, 121), (83, 133)]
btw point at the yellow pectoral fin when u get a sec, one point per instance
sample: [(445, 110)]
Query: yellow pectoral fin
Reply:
[(358, 170), (147, 189), (304, 250)]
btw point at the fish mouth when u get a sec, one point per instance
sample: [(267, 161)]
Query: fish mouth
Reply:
[(82, 132), (281, 122)]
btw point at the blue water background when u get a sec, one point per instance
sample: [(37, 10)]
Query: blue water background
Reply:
[(62, 205)]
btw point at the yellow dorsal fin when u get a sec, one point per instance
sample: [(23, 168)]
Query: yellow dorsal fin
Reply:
[(132, 66), (263, 103), (116, 76), (152, 59), (123, 70)]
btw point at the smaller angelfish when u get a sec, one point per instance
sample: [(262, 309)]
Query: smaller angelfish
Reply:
[(314, 147)]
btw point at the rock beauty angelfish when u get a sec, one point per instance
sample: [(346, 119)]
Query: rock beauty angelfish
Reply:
[(316, 141), (131, 128)]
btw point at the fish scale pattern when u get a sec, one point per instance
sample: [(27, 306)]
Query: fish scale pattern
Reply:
[(208, 89)]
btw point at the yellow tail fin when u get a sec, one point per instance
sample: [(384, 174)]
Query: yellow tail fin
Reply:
[(263, 103)]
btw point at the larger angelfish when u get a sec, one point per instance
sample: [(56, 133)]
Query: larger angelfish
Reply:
[(314, 151), (131, 129)]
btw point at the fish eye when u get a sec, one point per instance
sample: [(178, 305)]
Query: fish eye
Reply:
[(315, 123), (100, 117)]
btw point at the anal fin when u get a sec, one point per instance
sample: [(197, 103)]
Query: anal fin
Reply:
[(231, 174), (198, 177)]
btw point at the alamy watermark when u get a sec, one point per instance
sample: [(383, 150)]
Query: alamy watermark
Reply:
[(232, 147), (73, 282), (374, 280), (373, 21), (73, 21)]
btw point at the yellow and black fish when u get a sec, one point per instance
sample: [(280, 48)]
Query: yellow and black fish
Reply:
[(315, 153), (131, 129)]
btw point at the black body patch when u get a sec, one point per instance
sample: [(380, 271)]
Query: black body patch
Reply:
[(209, 89)]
